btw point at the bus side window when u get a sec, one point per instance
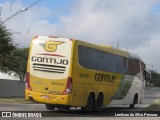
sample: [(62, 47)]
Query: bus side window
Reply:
[(133, 67), (82, 55), (102, 61), (92, 58)]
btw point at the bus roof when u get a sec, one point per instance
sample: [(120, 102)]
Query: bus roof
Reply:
[(106, 48)]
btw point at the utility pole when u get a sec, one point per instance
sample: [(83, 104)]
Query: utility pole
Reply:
[(118, 44), (0, 11), (10, 6)]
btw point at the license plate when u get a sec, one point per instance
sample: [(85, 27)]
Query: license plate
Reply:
[(45, 97)]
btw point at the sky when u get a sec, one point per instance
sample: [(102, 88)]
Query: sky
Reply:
[(134, 23)]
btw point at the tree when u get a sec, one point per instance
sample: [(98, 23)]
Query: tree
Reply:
[(12, 59), (19, 62), (155, 78), (6, 48)]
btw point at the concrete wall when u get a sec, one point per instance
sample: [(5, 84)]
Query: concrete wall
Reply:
[(11, 88)]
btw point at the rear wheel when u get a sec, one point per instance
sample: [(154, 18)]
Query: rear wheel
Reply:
[(135, 100), (99, 103), (90, 104), (50, 107)]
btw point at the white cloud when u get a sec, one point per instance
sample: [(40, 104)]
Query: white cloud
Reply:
[(106, 21), (28, 23), (150, 52), (133, 22), (103, 22)]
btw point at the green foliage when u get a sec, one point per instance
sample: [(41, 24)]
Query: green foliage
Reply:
[(12, 59), (6, 48), (155, 78), (18, 63)]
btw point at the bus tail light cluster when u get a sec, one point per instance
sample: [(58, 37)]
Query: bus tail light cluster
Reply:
[(68, 88), (28, 81)]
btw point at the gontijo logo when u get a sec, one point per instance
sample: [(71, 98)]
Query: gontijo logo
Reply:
[(51, 46)]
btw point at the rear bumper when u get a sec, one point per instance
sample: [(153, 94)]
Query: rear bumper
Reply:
[(49, 99)]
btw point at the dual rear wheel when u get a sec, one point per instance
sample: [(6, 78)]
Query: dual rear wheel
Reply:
[(92, 104)]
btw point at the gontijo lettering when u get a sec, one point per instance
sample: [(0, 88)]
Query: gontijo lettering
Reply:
[(105, 78), (49, 60)]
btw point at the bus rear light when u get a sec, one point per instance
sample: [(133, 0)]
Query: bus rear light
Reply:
[(68, 88), (35, 37), (28, 81)]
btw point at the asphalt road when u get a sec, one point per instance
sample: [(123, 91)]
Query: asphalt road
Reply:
[(150, 95)]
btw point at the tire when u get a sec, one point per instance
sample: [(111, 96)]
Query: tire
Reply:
[(132, 106), (135, 100), (99, 103), (90, 104), (50, 107)]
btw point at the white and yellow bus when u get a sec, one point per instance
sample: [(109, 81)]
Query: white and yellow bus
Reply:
[(67, 73)]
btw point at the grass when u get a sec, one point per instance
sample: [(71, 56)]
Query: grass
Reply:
[(154, 107), (15, 100), (157, 102)]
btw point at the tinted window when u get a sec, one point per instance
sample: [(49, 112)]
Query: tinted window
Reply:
[(112, 63), (102, 61), (99, 60), (121, 64), (133, 67), (92, 58), (82, 53), (117, 64)]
